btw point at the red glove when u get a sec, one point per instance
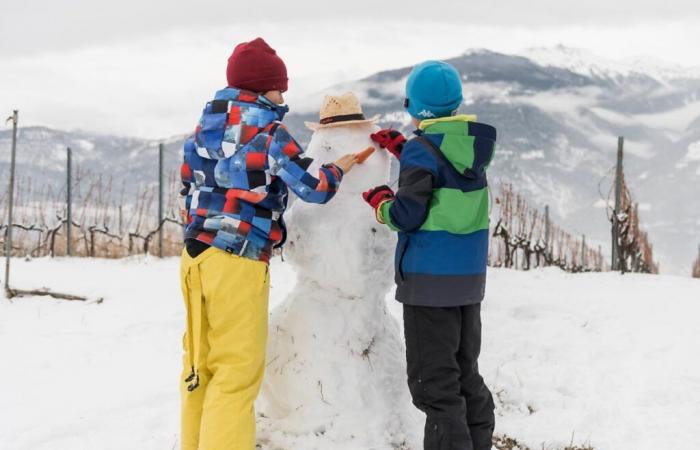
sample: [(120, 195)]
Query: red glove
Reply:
[(377, 195), (389, 139)]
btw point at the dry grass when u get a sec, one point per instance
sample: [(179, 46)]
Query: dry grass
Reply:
[(508, 443)]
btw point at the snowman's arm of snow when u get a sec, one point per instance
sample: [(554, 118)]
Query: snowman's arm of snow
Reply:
[(417, 174), (286, 160)]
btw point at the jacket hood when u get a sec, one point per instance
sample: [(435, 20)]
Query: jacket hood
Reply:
[(467, 144), (232, 119)]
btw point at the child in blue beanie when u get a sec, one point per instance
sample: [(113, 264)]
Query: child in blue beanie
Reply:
[(440, 212)]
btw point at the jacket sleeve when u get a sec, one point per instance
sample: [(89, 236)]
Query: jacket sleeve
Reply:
[(187, 179), (286, 159), (418, 171)]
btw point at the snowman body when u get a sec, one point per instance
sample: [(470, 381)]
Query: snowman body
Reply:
[(336, 358)]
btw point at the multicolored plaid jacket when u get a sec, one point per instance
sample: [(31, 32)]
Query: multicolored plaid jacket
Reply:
[(441, 212), (236, 171)]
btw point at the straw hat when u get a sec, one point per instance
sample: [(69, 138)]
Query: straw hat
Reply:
[(340, 110)]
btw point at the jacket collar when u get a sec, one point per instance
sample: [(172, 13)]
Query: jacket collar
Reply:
[(252, 98), (425, 124)]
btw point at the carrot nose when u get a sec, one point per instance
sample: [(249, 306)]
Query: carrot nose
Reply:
[(364, 154)]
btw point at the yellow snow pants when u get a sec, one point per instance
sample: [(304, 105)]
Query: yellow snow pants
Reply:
[(226, 297)]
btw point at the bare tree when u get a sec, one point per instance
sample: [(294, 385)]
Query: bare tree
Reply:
[(696, 266)]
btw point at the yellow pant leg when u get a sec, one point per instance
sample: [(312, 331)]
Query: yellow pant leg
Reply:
[(235, 305), (192, 402)]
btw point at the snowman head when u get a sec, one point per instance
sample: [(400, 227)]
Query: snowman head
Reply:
[(329, 144), (343, 128)]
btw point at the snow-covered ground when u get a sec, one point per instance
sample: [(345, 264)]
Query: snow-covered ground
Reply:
[(609, 359)]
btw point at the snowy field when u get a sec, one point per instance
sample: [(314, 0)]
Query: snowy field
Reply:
[(610, 360)]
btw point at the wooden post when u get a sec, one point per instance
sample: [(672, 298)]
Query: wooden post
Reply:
[(547, 229), (636, 257), (10, 203), (69, 202), (618, 200), (160, 199)]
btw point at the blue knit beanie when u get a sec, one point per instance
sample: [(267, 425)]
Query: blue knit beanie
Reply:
[(433, 89)]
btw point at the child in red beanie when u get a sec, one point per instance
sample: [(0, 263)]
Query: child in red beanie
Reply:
[(236, 173)]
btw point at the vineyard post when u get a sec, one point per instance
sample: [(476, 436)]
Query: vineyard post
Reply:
[(10, 203), (636, 255), (618, 200), (547, 230), (69, 201), (160, 199)]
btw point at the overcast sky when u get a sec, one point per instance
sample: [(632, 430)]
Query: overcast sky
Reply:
[(146, 67)]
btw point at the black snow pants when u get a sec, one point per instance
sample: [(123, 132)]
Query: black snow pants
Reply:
[(442, 349)]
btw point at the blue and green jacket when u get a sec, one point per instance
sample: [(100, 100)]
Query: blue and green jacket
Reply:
[(441, 211)]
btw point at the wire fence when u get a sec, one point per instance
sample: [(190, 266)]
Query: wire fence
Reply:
[(104, 223), (90, 216), (107, 224)]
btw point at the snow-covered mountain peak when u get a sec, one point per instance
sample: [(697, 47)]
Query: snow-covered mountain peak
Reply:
[(587, 63)]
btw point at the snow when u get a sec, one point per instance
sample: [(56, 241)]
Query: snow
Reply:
[(676, 120), (693, 152), (692, 156), (607, 358), (587, 63), (532, 154), (85, 144), (609, 361)]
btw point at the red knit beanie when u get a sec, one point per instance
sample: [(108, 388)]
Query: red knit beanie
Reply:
[(256, 67)]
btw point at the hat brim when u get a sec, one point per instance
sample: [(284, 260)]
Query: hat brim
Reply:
[(317, 126)]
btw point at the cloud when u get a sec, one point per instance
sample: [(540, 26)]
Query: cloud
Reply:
[(154, 85), (52, 25)]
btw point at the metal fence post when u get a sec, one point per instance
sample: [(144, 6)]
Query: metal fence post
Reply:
[(69, 202), (160, 200), (618, 200), (10, 203)]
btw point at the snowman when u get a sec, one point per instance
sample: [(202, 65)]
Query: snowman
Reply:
[(336, 358)]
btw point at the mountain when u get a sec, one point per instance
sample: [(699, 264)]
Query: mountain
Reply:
[(558, 112), (129, 163)]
